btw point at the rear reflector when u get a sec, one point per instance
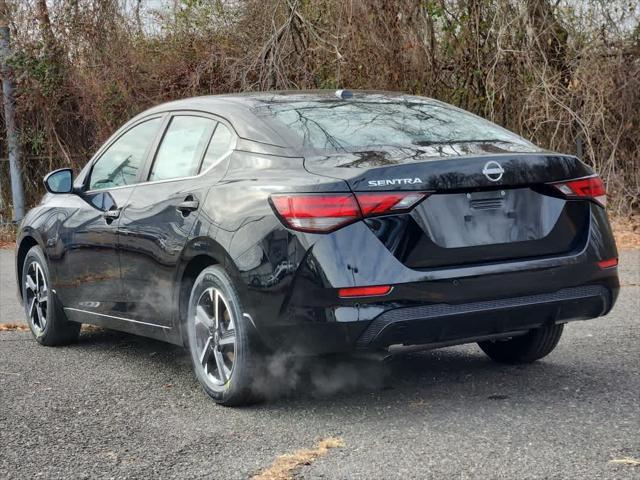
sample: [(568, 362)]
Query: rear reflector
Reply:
[(375, 291), (589, 188), (326, 212), (609, 263)]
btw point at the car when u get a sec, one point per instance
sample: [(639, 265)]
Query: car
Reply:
[(317, 222)]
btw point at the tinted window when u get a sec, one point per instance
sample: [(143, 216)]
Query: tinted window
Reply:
[(122, 161), (372, 120), (181, 148), (219, 146)]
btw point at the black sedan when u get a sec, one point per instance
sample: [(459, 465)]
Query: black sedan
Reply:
[(316, 222)]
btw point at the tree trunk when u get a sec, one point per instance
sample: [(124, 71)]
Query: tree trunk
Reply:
[(13, 143), (49, 40)]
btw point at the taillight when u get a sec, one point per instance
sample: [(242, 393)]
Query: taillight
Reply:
[(589, 188), (316, 212), (326, 212), (392, 202)]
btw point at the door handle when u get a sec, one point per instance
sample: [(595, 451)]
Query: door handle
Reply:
[(188, 206), (111, 215)]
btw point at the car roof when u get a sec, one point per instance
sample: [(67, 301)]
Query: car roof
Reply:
[(252, 99), (239, 110)]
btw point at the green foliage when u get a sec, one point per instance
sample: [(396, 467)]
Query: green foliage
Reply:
[(34, 140), (43, 71), (433, 8)]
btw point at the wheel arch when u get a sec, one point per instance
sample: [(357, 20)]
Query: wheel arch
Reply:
[(198, 254), (26, 243)]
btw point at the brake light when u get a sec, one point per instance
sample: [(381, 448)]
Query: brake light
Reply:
[(374, 291), (589, 188), (326, 212)]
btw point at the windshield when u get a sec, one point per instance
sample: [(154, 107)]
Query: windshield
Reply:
[(378, 120)]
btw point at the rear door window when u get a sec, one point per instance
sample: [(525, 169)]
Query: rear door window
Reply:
[(180, 152)]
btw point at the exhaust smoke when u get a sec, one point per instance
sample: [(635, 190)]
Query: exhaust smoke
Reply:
[(286, 374)]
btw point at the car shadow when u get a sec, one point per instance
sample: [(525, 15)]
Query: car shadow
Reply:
[(286, 380)]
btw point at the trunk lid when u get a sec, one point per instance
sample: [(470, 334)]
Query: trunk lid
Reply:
[(482, 208)]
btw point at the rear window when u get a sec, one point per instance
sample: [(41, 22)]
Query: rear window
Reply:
[(377, 120)]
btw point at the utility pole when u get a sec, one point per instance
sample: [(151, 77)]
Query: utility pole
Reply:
[(13, 143)]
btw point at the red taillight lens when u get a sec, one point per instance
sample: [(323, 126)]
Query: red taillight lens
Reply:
[(381, 203), (316, 212), (321, 213), (374, 291), (591, 188)]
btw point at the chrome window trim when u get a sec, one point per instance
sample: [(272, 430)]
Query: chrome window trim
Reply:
[(176, 179), (195, 113)]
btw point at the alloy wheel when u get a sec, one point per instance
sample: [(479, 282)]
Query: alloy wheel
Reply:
[(215, 336), (37, 297)]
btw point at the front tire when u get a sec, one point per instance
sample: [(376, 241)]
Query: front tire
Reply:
[(45, 317), (532, 346), (219, 339)]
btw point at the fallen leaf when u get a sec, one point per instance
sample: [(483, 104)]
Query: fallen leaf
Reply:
[(627, 231), (625, 461), (91, 328), (285, 465), (12, 327)]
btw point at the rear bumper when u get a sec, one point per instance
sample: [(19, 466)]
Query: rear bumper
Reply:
[(444, 323), (377, 326), (302, 312)]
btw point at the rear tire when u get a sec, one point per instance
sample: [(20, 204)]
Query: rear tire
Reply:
[(219, 337), (44, 314), (527, 348)]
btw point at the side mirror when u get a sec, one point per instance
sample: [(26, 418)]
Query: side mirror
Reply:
[(59, 181)]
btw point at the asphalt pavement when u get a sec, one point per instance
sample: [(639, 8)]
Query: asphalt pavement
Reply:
[(118, 406)]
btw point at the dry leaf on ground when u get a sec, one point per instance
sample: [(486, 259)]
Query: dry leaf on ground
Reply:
[(625, 461), (627, 232), (285, 465), (12, 327)]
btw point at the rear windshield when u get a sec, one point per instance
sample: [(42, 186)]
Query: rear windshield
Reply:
[(377, 120)]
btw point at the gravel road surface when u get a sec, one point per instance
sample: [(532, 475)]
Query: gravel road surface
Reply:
[(117, 406)]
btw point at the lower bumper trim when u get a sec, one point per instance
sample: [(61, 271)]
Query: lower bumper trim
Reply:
[(446, 322)]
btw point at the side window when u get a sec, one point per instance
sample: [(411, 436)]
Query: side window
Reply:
[(181, 149), (219, 146), (122, 161)]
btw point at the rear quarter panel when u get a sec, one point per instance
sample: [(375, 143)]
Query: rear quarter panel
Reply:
[(263, 256)]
